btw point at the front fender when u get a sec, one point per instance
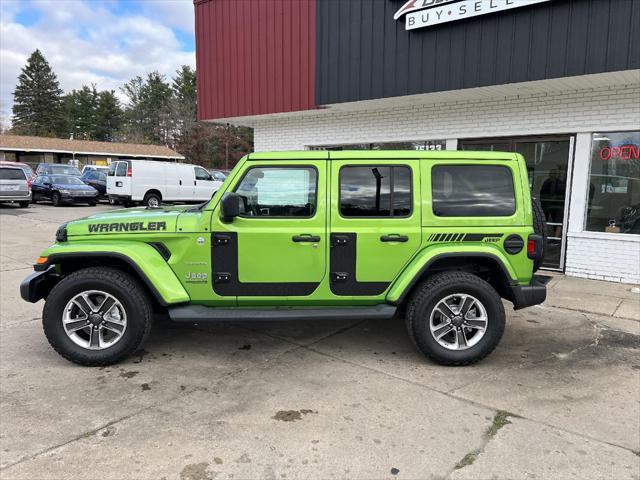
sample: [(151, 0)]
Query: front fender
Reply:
[(145, 260), (420, 263)]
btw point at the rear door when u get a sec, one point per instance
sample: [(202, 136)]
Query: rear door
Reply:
[(118, 181), (375, 223)]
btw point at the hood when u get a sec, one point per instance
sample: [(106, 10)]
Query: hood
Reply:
[(128, 221), (72, 187)]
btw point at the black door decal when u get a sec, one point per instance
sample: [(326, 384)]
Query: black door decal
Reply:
[(225, 275), (343, 268)]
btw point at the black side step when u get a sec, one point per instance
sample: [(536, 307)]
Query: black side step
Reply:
[(200, 313)]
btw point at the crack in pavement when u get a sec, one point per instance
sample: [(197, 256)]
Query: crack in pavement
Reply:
[(473, 402)]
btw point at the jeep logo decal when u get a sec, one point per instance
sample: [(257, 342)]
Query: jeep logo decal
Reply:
[(126, 227)]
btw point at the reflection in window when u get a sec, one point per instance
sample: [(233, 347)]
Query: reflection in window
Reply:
[(614, 183), (279, 192), (472, 191), (375, 191)]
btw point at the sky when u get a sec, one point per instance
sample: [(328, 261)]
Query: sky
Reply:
[(106, 42)]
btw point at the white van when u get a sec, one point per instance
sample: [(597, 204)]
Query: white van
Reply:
[(152, 182)]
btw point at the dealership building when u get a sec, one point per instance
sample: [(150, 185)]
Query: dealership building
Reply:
[(555, 80)]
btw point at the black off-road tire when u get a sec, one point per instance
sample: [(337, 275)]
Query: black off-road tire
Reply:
[(126, 289), (425, 298), (540, 228), (56, 199)]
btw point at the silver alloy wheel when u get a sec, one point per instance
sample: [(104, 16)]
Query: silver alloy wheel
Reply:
[(94, 320), (153, 202), (458, 321)]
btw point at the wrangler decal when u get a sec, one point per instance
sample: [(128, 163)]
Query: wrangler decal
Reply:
[(127, 227)]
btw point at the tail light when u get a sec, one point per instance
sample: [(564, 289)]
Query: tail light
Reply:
[(129, 172), (534, 246)]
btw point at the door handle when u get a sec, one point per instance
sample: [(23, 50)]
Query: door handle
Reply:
[(394, 238), (194, 182), (306, 238), (180, 182)]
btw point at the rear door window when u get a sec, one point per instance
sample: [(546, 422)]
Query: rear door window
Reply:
[(472, 191), (375, 191)]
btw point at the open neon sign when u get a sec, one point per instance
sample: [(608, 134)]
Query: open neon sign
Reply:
[(625, 152)]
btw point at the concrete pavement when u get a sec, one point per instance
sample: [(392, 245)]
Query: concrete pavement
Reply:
[(559, 398)]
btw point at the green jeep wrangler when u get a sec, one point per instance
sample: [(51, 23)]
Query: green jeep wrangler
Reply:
[(438, 238)]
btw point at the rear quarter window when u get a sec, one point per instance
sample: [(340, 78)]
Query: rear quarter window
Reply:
[(472, 191)]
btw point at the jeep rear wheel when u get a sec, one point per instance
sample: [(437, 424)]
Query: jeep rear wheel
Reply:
[(455, 318), (97, 316)]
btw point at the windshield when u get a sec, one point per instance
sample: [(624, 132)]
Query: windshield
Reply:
[(64, 170), (11, 174), (66, 180)]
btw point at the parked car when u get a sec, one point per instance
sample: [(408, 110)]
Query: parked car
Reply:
[(97, 179), (218, 175), (440, 238), (14, 187), (28, 171), (152, 182), (57, 169), (97, 168), (62, 189)]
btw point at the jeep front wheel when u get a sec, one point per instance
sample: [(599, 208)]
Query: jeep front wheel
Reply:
[(97, 316), (455, 318)]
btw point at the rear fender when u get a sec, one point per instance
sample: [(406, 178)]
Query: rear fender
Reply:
[(421, 262), (144, 260)]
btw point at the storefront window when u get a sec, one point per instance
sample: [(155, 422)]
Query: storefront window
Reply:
[(614, 183)]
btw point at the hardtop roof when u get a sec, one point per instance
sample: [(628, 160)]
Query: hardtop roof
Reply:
[(382, 154)]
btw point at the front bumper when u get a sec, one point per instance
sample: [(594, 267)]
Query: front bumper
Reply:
[(79, 198), (38, 285), (535, 293)]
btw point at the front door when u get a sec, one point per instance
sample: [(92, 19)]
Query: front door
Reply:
[(375, 224), (275, 251)]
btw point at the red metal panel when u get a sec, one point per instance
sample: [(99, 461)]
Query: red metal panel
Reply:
[(255, 57)]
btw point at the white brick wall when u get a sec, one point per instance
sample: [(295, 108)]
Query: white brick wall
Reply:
[(544, 113), (583, 111), (616, 260)]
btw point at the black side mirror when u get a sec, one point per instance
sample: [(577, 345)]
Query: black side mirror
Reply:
[(231, 206)]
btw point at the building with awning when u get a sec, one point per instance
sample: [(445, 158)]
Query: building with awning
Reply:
[(35, 150), (557, 81)]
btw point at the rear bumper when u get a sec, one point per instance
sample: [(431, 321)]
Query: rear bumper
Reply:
[(38, 285), (119, 198), (18, 197), (524, 296)]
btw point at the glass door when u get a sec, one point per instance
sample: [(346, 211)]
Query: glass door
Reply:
[(548, 167)]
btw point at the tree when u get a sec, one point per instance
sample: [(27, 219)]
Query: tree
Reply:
[(148, 113), (80, 108), (37, 100), (108, 116)]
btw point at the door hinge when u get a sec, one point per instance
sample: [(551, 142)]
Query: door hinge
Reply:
[(221, 277), (339, 277), (218, 240), (339, 240)]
